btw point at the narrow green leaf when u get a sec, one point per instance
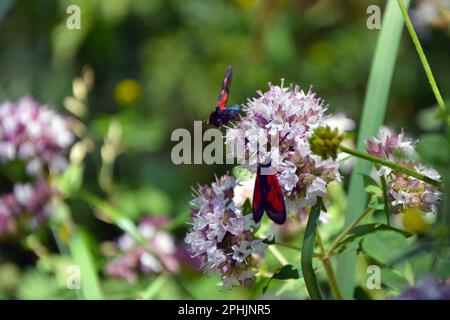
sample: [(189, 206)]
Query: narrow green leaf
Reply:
[(309, 241), (81, 255), (153, 289), (124, 223), (372, 117)]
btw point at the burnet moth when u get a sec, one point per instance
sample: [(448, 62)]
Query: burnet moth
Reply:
[(268, 195), (223, 114)]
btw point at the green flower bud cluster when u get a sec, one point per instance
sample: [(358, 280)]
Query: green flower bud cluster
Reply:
[(325, 142)]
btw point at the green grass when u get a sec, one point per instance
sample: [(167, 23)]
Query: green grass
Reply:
[(372, 118), (79, 250)]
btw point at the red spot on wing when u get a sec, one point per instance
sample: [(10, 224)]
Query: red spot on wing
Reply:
[(225, 90), (223, 98)]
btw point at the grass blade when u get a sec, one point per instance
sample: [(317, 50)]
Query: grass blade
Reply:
[(309, 241), (372, 117), (90, 285), (422, 57), (153, 289)]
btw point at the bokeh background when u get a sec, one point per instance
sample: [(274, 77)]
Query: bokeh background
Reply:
[(154, 66)]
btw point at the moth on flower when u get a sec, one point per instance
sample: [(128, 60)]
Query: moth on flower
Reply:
[(223, 114), (293, 114)]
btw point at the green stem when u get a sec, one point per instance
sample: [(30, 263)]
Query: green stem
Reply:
[(422, 57), (385, 199), (391, 165), (347, 230), (286, 245), (308, 250), (329, 271)]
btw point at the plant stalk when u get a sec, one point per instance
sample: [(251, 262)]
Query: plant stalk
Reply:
[(422, 57), (329, 271), (347, 230), (391, 165)]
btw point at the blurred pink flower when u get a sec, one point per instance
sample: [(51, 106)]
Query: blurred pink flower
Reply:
[(26, 199), (35, 134), (134, 258)]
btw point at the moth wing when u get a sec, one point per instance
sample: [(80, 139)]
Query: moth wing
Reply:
[(225, 89), (258, 199), (275, 206)]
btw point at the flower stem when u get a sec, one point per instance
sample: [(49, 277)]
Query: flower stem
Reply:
[(391, 165), (346, 231), (385, 199), (329, 270), (422, 57), (277, 254), (307, 252), (286, 245)]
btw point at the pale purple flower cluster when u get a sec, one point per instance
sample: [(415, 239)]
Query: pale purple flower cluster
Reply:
[(39, 138), (25, 199), (288, 115), (404, 191), (221, 236), (134, 258), (34, 134)]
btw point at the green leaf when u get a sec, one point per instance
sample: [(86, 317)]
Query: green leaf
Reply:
[(393, 279), (309, 241), (385, 246), (79, 250), (376, 202), (356, 235), (373, 114), (286, 272)]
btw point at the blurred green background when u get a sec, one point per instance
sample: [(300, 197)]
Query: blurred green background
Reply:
[(177, 52)]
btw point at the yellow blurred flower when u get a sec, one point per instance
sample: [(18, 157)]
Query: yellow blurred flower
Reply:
[(128, 91), (414, 220)]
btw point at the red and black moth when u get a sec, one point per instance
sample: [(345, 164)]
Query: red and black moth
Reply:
[(268, 196), (222, 113)]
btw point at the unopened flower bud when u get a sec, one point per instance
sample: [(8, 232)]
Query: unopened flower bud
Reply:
[(325, 142)]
